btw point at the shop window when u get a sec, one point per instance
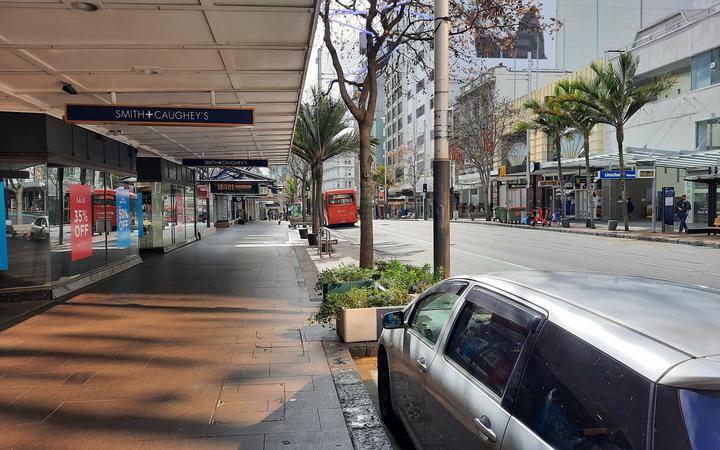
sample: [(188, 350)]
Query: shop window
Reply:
[(28, 243)]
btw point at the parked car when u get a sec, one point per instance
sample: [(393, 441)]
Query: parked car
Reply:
[(539, 360), (40, 228), (408, 215)]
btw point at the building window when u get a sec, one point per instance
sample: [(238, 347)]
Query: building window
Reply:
[(431, 77), (420, 85), (432, 102), (400, 124), (706, 69), (708, 135), (420, 111)]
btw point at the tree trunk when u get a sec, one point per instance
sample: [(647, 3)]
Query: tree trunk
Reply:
[(366, 223), (317, 198), (18, 204), (560, 177), (590, 206), (620, 135), (303, 200)]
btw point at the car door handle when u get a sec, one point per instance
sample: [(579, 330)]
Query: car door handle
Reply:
[(485, 427), (421, 364)]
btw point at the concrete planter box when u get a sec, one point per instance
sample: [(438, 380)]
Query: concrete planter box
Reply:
[(362, 324), (303, 233)]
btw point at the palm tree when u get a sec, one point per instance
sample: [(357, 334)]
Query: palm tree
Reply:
[(321, 133), (583, 121), (552, 121), (612, 97)]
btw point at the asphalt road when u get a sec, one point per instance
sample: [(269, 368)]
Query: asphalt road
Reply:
[(479, 248)]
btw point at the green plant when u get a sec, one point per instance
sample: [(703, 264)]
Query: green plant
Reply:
[(395, 284), (342, 273)]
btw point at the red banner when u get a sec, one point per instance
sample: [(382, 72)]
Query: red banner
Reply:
[(80, 226)]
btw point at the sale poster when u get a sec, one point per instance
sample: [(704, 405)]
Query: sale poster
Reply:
[(140, 218), (122, 200), (80, 229)]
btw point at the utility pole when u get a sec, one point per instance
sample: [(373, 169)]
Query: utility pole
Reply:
[(385, 194), (319, 67), (441, 164), (527, 132)]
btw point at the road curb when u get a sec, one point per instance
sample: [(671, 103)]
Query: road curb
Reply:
[(617, 235), (365, 426)]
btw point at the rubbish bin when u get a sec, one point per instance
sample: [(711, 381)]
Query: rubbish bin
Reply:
[(515, 214), (501, 214)]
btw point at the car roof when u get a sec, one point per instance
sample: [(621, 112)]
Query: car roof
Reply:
[(647, 323)]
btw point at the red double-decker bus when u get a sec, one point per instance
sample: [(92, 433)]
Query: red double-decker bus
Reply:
[(341, 207)]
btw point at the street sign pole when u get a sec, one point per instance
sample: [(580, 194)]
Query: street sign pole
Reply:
[(441, 164)]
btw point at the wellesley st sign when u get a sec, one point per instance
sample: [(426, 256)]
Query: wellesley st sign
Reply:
[(160, 115)]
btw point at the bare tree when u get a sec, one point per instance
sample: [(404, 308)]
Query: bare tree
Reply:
[(412, 157), (392, 26), (484, 126), (299, 170)]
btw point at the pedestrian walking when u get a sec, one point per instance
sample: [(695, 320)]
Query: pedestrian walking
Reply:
[(630, 207), (683, 208)]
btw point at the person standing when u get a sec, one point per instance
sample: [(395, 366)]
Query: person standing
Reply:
[(630, 207), (683, 209)]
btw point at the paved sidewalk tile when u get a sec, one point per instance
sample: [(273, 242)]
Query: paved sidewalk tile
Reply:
[(205, 347)]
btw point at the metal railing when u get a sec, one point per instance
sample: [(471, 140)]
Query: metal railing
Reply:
[(324, 242)]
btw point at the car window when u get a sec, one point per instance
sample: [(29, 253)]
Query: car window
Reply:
[(39, 221), (433, 310), (686, 419), (488, 336), (575, 397)]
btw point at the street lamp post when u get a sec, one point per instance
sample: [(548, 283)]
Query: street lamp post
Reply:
[(441, 164)]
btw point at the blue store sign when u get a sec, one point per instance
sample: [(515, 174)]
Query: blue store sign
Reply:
[(160, 115), (140, 216), (122, 198), (615, 174)]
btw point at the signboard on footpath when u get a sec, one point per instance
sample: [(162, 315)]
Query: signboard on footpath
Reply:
[(80, 229), (159, 115), (122, 198)]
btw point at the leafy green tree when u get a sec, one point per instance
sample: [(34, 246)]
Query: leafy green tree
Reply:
[(551, 120), (583, 120), (612, 97), (321, 132)]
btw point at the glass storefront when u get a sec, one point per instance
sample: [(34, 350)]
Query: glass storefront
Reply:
[(169, 214), (64, 222)]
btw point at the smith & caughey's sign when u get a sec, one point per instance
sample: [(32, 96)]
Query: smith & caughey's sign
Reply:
[(160, 115)]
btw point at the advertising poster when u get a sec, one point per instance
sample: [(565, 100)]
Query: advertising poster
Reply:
[(140, 218), (3, 230), (80, 228), (122, 198)]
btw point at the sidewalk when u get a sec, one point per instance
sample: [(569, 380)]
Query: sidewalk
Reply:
[(637, 232), (205, 347)]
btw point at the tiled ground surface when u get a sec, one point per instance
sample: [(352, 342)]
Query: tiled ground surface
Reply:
[(206, 347)]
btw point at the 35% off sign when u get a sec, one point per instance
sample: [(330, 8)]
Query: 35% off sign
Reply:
[(80, 228)]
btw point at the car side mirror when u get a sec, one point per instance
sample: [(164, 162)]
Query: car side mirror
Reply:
[(394, 320)]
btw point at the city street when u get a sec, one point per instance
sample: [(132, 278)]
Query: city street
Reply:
[(477, 248)]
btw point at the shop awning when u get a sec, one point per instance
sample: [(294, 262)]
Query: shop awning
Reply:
[(633, 155), (226, 53)]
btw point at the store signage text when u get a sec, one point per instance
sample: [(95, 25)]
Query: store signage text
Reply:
[(233, 187), (80, 229), (225, 162), (615, 174), (122, 198), (159, 115)]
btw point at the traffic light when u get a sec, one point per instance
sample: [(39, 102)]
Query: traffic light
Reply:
[(502, 171), (425, 187)]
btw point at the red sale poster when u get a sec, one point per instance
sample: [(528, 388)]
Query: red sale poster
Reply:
[(80, 228)]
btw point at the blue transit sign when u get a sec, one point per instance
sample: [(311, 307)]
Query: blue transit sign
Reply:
[(140, 216), (160, 115), (122, 200), (615, 174), (208, 162)]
